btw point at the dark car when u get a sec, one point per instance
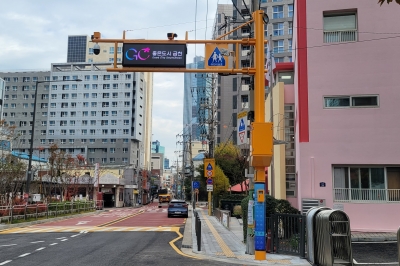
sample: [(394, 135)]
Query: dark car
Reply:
[(177, 208)]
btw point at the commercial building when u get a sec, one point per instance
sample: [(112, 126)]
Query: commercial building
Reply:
[(346, 107)]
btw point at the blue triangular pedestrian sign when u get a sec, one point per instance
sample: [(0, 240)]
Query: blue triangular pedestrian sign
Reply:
[(242, 126), (209, 167), (216, 58)]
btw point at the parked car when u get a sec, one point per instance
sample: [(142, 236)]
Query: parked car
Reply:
[(178, 208)]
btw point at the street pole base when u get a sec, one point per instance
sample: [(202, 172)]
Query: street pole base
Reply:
[(260, 255)]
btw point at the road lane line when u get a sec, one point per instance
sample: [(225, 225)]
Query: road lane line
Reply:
[(61, 237), (64, 240), (8, 245), (5, 262), (40, 248), (37, 242), (52, 244), (24, 255)]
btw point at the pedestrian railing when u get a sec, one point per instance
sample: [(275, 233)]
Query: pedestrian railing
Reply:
[(10, 213), (287, 234)]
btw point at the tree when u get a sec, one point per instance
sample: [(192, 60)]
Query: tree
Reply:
[(388, 1), (64, 175), (12, 168), (230, 159)]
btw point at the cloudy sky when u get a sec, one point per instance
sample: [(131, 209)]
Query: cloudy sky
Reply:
[(33, 34)]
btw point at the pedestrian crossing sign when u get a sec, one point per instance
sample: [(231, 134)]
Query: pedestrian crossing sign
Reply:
[(214, 55)]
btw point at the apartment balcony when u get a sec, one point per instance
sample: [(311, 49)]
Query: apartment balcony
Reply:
[(340, 36), (366, 195)]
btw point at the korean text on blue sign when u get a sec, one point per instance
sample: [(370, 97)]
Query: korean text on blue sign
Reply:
[(154, 55)]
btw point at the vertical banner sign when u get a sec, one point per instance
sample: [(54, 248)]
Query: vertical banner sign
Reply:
[(242, 128), (209, 168), (250, 214), (259, 217), (96, 174)]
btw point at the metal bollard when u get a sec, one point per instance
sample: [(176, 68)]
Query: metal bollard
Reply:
[(398, 245), (198, 234)]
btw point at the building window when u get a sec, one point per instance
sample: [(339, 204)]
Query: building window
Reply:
[(126, 131), (63, 132), (340, 28), (277, 12), (290, 44), (113, 141), (279, 46), (112, 150), (115, 95), (290, 152), (290, 29), (278, 29), (366, 184), (290, 10), (351, 101)]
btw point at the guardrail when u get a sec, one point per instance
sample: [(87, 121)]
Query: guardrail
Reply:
[(36, 211)]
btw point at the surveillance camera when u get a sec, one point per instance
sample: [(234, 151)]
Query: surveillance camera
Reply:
[(96, 49), (171, 36)]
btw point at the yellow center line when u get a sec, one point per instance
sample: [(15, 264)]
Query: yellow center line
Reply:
[(227, 251), (172, 243)]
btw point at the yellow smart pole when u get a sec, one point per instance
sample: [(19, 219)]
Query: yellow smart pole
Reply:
[(261, 137)]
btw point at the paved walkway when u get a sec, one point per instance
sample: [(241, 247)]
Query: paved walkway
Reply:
[(220, 243)]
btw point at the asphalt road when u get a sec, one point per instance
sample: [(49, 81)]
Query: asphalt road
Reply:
[(99, 248), (375, 252)]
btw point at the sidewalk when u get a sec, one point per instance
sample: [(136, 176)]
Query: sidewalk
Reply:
[(222, 244)]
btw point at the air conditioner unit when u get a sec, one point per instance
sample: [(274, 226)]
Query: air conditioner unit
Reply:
[(307, 204)]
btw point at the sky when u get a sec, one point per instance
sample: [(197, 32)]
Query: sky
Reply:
[(34, 34)]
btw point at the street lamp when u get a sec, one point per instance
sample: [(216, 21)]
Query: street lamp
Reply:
[(29, 177)]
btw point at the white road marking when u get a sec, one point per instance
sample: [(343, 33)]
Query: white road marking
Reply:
[(53, 244), (383, 242), (37, 242), (382, 263), (61, 237), (5, 262), (83, 222), (24, 255), (75, 235), (40, 248), (64, 240), (8, 245)]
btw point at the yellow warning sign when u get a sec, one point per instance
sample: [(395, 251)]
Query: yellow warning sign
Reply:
[(216, 56)]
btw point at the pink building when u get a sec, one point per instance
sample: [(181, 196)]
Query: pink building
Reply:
[(347, 109)]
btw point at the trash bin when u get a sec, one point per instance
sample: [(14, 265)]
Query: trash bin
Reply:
[(333, 238), (311, 232)]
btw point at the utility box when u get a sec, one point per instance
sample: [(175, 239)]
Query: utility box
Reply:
[(262, 144)]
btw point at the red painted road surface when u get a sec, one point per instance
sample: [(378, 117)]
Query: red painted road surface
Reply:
[(148, 215)]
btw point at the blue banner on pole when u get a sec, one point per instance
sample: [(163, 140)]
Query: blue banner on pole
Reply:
[(259, 217)]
